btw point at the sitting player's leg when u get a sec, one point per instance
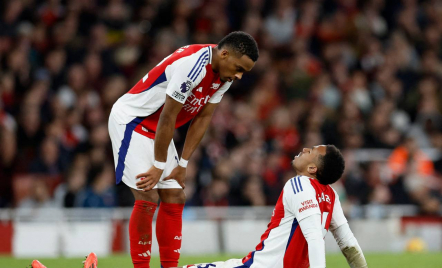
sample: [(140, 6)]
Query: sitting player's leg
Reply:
[(169, 225), (232, 263)]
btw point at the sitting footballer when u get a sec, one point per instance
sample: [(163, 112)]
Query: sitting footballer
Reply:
[(307, 208)]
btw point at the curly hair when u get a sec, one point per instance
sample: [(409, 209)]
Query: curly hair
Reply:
[(330, 166), (242, 43)]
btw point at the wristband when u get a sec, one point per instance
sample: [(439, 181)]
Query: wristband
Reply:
[(159, 165), (183, 162)]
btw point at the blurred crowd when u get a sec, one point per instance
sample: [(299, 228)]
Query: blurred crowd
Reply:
[(357, 74)]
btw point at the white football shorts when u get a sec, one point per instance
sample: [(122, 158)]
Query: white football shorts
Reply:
[(134, 154), (233, 263)]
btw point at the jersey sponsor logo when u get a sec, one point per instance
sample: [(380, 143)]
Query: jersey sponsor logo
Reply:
[(145, 254), (178, 96), (178, 238), (144, 243), (194, 103), (308, 204), (323, 197), (185, 86), (215, 86)]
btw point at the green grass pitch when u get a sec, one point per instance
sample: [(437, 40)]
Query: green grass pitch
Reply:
[(404, 260)]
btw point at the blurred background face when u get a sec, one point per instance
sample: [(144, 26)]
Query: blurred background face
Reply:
[(233, 66), (40, 191)]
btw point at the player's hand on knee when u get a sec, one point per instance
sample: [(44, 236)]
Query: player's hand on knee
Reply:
[(149, 179), (178, 174)]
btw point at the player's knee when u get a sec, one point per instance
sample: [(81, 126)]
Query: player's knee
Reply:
[(174, 196), (150, 196)]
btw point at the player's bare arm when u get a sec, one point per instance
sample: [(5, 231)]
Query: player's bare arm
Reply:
[(165, 130), (195, 134), (198, 127)]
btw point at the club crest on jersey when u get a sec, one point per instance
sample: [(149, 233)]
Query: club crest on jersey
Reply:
[(185, 86), (215, 86)]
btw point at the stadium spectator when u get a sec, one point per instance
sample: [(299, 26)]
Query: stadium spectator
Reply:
[(358, 74)]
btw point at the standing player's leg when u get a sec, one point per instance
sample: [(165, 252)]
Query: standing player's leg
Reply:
[(140, 227), (170, 213), (133, 154), (169, 225)]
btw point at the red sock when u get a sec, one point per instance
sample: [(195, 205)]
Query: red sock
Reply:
[(168, 229), (140, 233)]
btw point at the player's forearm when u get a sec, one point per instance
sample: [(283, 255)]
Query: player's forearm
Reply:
[(195, 134), (349, 246), (163, 136), (355, 257)]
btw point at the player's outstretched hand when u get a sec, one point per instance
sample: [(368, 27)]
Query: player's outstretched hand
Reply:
[(178, 174), (149, 179)]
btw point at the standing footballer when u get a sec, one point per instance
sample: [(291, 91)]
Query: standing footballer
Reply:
[(187, 85)]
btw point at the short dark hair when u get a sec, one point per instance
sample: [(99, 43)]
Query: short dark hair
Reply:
[(330, 166), (242, 43)]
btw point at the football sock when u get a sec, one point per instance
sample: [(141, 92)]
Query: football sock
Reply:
[(140, 233), (169, 233)]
